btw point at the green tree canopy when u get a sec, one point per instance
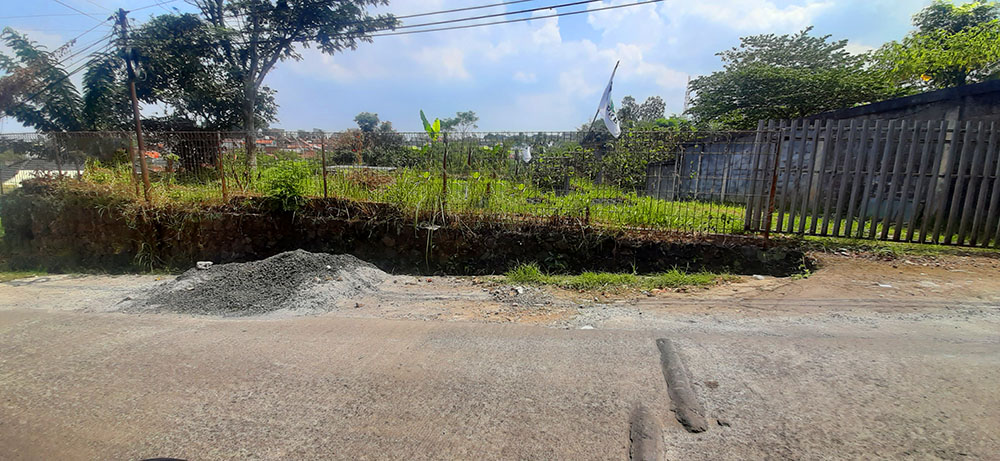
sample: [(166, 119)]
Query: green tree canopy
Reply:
[(462, 122), (950, 46), (367, 121), (784, 76), (249, 37)]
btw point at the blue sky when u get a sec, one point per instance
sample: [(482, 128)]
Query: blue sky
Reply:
[(537, 76)]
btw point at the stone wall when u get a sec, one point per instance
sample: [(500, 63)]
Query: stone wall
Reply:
[(63, 230)]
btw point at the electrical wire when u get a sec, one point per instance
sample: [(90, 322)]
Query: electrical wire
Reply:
[(74, 9), (487, 16), (556, 15), (470, 26), (152, 5), (416, 15)]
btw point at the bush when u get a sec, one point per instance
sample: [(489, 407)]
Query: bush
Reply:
[(286, 182)]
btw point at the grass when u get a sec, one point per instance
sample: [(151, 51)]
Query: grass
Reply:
[(531, 274), (893, 250), (6, 276), (477, 193)]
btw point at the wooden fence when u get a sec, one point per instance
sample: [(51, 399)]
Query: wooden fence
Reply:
[(899, 180)]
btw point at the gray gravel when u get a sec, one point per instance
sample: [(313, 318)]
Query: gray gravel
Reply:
[(291, 281)]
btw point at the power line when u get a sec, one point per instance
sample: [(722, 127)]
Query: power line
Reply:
[(486, 16), (416, 15), (556, 15), (469, 26), (42, 15), (460, 9), (74, 9), (153, 5)]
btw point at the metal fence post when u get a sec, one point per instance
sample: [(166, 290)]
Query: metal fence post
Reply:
[(444, 176), (322, 153), (222, 167)]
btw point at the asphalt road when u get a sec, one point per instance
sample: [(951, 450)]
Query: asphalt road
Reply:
[(81, 384)]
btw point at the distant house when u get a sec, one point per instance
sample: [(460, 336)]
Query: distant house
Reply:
[(13, 175)]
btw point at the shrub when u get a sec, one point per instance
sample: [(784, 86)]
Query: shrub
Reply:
[(286, 183)]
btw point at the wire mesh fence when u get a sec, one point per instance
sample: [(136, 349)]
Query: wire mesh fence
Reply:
[(679, 181)]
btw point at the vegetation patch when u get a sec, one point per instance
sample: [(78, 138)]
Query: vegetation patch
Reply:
[(531, 274)]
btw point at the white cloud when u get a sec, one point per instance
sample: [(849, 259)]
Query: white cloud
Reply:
[(754, 15), (444, 63), (525, 77), (858, 48)]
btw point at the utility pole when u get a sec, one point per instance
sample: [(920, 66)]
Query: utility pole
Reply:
[(123, 25)]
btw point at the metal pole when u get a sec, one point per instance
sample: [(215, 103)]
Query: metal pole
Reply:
[(222, 167), (322, 151), (135, 104), (444, 176)]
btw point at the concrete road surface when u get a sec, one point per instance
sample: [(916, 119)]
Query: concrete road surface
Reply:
[(97, 385)]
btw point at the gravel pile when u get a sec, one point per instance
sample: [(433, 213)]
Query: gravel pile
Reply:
[(295, 281)]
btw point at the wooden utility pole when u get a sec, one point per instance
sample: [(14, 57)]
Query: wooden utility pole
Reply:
[(123, 25)]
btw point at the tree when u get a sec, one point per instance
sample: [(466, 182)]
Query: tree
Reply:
[(252, 36), (367, 121), (653, 108), (38, 92), (628, 113), (951, 46), (786, 76), (462, 122), (179, 66), (944, 15)]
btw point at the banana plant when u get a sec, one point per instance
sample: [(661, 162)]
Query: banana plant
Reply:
[(432, 129)]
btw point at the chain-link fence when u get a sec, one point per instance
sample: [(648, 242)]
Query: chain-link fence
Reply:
[(681, 181)]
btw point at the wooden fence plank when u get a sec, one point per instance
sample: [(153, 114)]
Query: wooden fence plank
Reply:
[(908, 163), (869, 178), (981, 235), (788, 154), (890, 199), (769, 216), (975, 172), (754, 164), (763, 186), (993, 221), (856, 175), (842, 190), (955, 204), (918, 187), (803, 145), (942, 178), (807, 191), (828, 138), (830, 178), (890, 145)]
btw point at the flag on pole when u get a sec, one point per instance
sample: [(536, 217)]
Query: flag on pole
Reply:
[(607, 108)]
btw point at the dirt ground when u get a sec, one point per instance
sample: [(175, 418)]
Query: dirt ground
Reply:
[(861, 359)]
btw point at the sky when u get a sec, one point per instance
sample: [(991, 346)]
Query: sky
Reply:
[(539, 75)]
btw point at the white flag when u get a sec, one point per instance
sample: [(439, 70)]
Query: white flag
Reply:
[(607, 109), (526, 154)]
